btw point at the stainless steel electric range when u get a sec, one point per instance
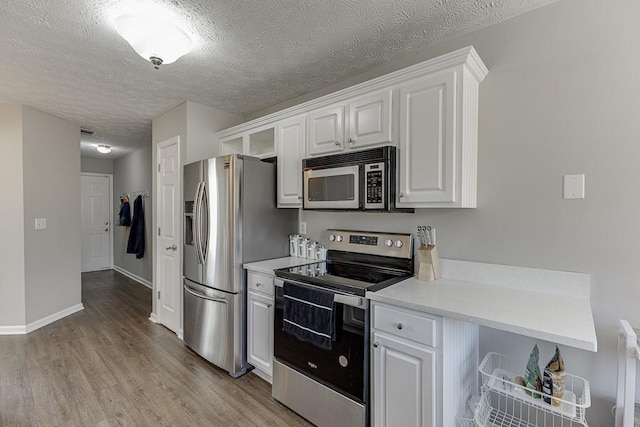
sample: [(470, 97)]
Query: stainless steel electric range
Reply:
[(323, 374)]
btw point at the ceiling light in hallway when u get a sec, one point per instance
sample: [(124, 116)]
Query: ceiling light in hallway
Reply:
[(104, 149)]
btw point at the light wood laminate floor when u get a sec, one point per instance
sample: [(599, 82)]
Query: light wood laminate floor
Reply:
[(109, 365)]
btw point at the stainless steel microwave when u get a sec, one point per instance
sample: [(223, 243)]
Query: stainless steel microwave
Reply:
[(358, 180)]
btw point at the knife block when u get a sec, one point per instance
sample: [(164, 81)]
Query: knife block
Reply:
[(428, 265)]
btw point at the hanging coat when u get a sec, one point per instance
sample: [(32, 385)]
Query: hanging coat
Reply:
[(125, 214), (136, 234)]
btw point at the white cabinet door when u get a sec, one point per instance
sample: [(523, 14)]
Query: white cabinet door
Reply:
[(260, 313), (370, 120), (326, 131), (290, 147), (427, 141), (404, 383)]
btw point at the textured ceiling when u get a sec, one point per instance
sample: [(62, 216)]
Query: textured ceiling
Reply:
[(65, 57)]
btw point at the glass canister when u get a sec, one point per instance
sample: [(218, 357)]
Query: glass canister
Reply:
[(294, 241), (311, 249), (321, 253), (302, 247)]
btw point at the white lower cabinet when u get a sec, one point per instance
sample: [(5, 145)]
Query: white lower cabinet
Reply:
[(405, 382), (423, 367), (260, 312)]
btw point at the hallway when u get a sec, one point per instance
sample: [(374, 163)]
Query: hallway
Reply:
[(109, 365)]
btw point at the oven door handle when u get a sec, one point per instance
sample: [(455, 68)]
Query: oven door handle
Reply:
[(349, 300)]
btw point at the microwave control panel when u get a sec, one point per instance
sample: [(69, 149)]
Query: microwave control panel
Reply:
[(375, 185)]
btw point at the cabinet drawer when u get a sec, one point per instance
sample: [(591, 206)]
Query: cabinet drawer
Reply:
[(416, 327), (259, 283)]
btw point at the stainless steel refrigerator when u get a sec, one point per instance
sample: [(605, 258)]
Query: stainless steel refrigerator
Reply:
[(230, 218)]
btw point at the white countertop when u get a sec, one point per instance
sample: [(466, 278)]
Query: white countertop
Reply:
[(269, 265), (558, 310)]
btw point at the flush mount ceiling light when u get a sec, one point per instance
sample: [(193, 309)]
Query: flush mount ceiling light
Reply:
[(155, 39), (104, 149)]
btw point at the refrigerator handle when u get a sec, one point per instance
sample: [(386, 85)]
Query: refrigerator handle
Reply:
[(204, 205), (196, 224)]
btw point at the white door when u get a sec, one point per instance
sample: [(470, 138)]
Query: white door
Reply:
[(370, 120), (96, 221), (404, 385), (168, 261), (260, 312), (427, 141), (291, 144), (326, 131)]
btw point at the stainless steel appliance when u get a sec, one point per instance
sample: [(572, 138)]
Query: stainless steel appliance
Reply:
[(361, 180), (230, 217), (330, 387)]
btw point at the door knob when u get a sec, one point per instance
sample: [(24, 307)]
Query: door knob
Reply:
[(172, 247)]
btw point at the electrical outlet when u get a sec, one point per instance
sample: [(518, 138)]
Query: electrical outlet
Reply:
[(303, 228)]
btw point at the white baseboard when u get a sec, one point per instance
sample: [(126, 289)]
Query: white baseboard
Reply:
[(13, 330), (22, 330), (53, 317), (153, 318), (132, 276), (180, 335)]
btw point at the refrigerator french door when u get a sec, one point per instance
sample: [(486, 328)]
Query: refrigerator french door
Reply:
[(230, 218)]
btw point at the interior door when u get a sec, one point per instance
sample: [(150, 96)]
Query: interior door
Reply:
[(168, 246), (96, 222)]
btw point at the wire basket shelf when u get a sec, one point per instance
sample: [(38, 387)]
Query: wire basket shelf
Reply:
[(504, 403)]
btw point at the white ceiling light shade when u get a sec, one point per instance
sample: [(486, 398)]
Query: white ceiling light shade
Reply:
[(104, 149), (155, 39)]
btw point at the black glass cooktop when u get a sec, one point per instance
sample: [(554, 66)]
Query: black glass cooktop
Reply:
[(351, 278)]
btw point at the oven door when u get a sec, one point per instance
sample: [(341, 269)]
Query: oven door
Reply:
[(332, 188), (344, 368)]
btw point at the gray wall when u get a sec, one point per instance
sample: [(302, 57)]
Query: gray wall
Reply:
[(133, 173), (51, 150), (12, 299), (562, 97), (96, 165)]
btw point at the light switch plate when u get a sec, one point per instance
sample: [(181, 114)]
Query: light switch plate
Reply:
[(41, 223), (573, 187), (303, 228)]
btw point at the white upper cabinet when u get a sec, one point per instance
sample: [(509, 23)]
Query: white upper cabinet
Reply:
[(290, 144), (363, 122), (438, 145), (326, 130), (257, 142), (370, 120)]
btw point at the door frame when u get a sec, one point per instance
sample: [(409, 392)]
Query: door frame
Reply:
[(156, 316), (111, 224)]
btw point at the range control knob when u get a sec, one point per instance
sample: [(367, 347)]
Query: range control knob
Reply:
[(388, 242), (332, 237), (399, 243), (338, 238)]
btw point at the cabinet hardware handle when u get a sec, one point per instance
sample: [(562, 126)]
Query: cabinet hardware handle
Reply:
[(351, 141), (258, 284), (106, 223), (268, 305), (401, 195), (400, 326), (299, 197), (337, 142), (106, 229), (376, 344), (172, 247)]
